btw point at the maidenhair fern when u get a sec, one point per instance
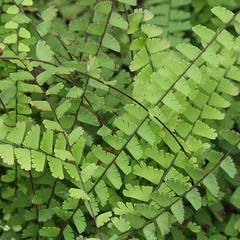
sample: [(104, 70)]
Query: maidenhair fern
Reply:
[(107, 131)]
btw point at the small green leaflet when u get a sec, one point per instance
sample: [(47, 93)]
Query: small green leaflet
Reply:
[(38, 160), (138, 192), (63, 108), (118, 21), (27, 3), (103, 7), (43, 51), (7, 154), (87, 117), (103, 218), (56, 167), (32, 138), (79, 221), (194, 198), (211, 184), (55, 89), (178, 211), (151, 30), (49, 232), (21, 18), (24, 158), (49, 14), (78, 194), (102, 192), (130, 2), (47, 142), (150, 232), (88, 171), (17, 134), (23, 33), (222, 13), (121, 224), (43, 28), (163, 223), (74, 92), (111, 42)]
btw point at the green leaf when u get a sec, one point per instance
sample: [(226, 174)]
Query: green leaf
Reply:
[(121, 224), (38, 160), (17, 134), (49, 232), (188, 50), (45, 75), (211, 184), (194, 227), (45, 214), (78, 149), (102, 192), (117, 20), (12, 10), (63, 108), (141, 193), (51, 125), (86, 3), (163, 223), (43, 28), (23, 33), (56, 167), (55, 89), (156, 45), (222, 13), (96, 28), (87, 117), (41, 105), (79, 221), (24, 158), (139, 60), (229, 167), (103, 7), (68, 233), (110, 42), (23, 75), (103, 218), (74, 93), (47, 142), (50, 13), (32, 138), (194, 198), (135, 148), (7, 154), (88, 171), (130, 2), (21, 18), (151, 30), (204, 130), (43, 51), (23, 48), (209, 112), (78, 194), (148, 172), (10, 39), (149, 232), (235, 198), (75, 135), (114, 177), (178, 211), (204, 33), (27, 3)]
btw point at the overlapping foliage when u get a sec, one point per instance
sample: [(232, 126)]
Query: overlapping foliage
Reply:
[(113, 125)]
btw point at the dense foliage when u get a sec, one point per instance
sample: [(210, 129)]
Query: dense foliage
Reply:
[(119, 119)]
